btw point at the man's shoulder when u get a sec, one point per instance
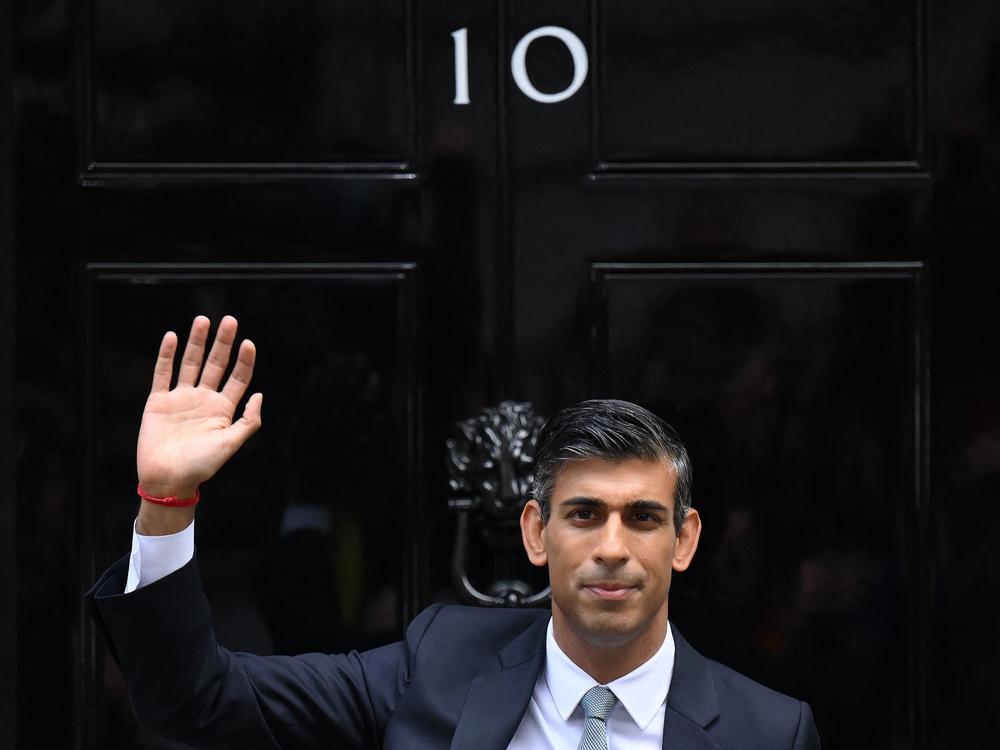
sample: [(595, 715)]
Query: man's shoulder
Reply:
[(737, 708), (731, 685), (724, 682), (471, 624), (759, 716), (449, 644)]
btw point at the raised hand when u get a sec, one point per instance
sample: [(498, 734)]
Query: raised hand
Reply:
[(188, 432)]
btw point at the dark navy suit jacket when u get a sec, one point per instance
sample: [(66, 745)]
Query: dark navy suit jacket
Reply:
[(461, 679)]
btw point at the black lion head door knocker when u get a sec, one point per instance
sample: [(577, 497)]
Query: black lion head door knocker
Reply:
[(491, 462)]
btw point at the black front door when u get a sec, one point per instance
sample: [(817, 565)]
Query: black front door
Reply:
[(771, 223)]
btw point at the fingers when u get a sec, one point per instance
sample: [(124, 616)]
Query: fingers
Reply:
[(239, 378), (164, 369), (194, 352), (249, 423), (215, 366), (218, 357)]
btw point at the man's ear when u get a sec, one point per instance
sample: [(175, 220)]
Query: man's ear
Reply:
[(687, 541), (533, 533)]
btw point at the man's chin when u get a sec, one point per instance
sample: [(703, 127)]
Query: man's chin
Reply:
[(605, 629)]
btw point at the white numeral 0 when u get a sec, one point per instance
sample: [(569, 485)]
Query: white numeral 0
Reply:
[(519, 69)]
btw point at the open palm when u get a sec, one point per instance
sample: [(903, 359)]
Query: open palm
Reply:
[(188, 432)]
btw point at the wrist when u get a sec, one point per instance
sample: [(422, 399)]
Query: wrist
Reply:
[(180, 490), (166, 508), (159, 520)]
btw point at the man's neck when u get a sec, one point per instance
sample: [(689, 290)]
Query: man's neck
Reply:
[(608, 659)]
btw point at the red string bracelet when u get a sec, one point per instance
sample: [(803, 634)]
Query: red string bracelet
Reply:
[(173, 502)]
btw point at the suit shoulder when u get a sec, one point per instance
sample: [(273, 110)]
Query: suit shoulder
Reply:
[(491, 623), (760, 711), (731, 684), (468, 630), (497, 616)]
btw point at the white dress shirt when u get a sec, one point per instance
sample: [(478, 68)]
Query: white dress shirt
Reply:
[(554, 719)]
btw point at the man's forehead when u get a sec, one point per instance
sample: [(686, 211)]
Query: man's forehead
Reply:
[(622, 480)]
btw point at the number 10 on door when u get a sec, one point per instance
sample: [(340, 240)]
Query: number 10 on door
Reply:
[(518, 66)]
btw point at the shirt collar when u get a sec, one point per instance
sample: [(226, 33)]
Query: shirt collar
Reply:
[(642, 691)]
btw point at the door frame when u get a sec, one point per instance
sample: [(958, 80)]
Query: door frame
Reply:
[(8, 435)]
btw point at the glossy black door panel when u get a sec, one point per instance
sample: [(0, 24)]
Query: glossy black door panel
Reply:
[(730, 85), (798, 393), (306, 540), (309, 86)]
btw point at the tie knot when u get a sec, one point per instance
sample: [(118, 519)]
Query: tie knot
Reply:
[(598, 702)]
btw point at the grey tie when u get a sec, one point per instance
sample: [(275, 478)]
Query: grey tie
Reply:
[(597, 704)]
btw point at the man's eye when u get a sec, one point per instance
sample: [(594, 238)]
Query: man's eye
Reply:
[(583, 514), (646, 518)]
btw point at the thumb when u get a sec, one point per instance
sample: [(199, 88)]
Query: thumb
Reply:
[(249, 423)]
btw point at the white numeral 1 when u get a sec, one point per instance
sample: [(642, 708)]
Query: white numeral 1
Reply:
[(461, 65)]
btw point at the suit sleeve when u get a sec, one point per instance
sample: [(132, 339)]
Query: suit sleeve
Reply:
[(806, 736), (185, 686)]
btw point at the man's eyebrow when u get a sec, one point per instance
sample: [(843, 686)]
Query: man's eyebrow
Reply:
[(647, 505), (596, 502), (587, 502)]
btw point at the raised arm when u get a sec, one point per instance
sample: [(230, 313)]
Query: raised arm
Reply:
[(182, 683), (188, 431)]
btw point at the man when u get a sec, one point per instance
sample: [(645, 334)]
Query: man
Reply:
[(611, 518)]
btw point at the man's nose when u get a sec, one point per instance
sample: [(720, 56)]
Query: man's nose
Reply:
[(612, 548)]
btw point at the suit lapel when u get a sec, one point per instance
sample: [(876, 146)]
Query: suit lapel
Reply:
[(498, 699), (692, 703), (680, 733)]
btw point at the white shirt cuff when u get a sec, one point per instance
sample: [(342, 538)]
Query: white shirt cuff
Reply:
[(154, 557)]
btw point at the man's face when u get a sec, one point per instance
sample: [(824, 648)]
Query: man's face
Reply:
[(610, 546)]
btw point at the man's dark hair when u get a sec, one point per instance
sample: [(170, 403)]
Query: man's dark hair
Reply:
[(614, 431)]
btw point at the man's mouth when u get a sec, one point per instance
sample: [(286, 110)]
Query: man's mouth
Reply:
[(610, 590)]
